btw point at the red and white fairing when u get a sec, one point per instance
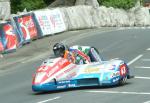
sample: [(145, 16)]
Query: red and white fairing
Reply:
[(59, 68)]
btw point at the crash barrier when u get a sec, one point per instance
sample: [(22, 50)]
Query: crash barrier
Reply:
[(50, 22), (29, 26), (26, 27), (8, 37), (1, 45)]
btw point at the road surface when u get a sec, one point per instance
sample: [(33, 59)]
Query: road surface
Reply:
[(131, 45)]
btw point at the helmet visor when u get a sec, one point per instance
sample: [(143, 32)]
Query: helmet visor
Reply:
[(59, 52)]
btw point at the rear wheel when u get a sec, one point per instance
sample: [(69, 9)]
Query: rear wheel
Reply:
[(123, 81), (123, 73)]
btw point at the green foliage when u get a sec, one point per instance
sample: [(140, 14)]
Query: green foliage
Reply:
[(48, 2), (20, 5), (15, 5), (124, 4), (32, 4)]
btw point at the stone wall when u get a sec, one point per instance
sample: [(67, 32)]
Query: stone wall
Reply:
[(4, 9), (80, 17)]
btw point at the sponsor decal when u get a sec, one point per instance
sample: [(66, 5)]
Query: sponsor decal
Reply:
[(71, 85), (10, 37), (69, 69), (1, 46), (62, 82), (91, 70), (107, 66), (61, 70), (48, 70), (28, 28), (56, 68), (50, 21), (59, 66), (43, 68), (106, 81), (62, 86), (114, 74), (110, 67), (62, 62), (60, 75), (68, 72), (71, 75), (115, 79), (123, 70)]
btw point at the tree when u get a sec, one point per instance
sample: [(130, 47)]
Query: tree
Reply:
[(15, 5), (20, 5), (48, 2), (124, 4)]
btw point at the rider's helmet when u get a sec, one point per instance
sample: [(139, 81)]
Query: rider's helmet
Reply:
[(59, 49)]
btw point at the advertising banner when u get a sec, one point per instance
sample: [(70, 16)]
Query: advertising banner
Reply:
[(26, 27), (50, 21), (8, 36), (1, 45)]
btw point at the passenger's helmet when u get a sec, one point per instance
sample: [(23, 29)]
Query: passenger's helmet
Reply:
[(59, 49)]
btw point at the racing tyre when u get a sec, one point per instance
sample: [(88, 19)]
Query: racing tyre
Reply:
[(123, 74), (123, 81)]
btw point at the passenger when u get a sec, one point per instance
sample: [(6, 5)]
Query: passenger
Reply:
[(77, 54)]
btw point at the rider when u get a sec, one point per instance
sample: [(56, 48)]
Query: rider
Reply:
[(77, 54)]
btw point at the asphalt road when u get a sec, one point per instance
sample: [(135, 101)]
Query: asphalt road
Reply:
[(131, 45)]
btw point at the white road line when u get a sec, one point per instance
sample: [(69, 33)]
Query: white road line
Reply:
[(138, 77), (135, 59), (147, 102), (44, 101), (148, 49), (118, 92), (142, 67)]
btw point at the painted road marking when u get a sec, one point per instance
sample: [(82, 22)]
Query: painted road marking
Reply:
[(138, 77), (148, 49), (44, 101), (135, 59), (118, 92), (147, 102), (142, 67)]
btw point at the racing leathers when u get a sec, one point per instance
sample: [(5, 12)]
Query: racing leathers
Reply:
[(82, 54)]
